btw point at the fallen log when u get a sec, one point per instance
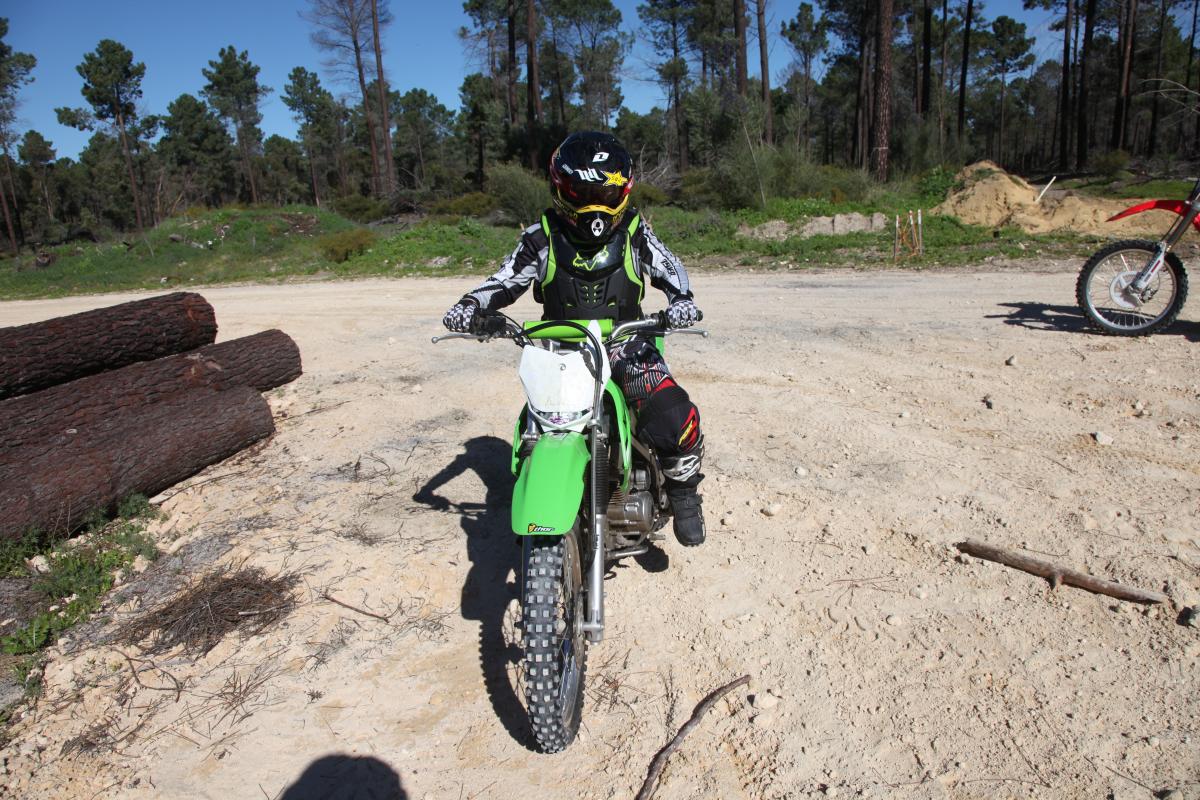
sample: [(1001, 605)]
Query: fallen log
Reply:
[(63, 349), (1056, 574), (142, 450), (262, 361)]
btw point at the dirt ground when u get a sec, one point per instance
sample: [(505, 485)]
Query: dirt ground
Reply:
[(850, 443)]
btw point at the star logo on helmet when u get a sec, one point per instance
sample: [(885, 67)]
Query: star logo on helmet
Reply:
[(615, 179)]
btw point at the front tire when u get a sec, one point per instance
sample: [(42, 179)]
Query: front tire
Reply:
[(1101, 290), (555, 645)]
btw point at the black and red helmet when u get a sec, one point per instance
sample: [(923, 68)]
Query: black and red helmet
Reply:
[(591, 175)]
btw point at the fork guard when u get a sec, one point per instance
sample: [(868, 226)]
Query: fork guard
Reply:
[(550, 484)]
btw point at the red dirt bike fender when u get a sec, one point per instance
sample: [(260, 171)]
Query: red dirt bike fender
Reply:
[(1178, 206)]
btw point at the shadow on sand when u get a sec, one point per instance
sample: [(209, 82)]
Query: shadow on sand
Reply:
[(491, 585), (1070, 319), (346, 777)]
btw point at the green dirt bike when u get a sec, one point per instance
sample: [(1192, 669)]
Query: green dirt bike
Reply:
[(588, 492)]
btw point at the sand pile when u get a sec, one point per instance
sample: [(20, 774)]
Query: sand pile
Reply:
[(992, 197)]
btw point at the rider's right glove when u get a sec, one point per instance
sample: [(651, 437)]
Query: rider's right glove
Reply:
[(683, 313), (458, 318)]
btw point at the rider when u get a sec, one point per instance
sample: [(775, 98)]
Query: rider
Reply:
[(587, 259)]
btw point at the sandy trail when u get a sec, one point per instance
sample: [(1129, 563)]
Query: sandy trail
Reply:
[(853, 402)]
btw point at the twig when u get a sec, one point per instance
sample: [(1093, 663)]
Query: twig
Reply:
[(335, 601), (660, 760), (177, 689), (1056, 574)]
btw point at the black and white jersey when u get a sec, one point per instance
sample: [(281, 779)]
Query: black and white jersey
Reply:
[(528, 264)]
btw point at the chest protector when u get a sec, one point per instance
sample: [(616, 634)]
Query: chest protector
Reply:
[(602, 285)]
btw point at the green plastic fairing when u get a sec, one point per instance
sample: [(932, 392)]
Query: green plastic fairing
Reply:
[(550, 485), (621, 413)]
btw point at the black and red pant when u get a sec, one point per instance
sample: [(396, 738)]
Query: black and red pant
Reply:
[(667, 418)]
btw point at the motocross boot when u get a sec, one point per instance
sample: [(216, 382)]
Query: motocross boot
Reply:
[(688, 516)]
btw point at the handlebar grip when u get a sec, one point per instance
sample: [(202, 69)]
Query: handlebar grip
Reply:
[(485, 324)]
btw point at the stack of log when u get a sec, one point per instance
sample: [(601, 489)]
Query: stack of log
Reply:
[(123, 400)]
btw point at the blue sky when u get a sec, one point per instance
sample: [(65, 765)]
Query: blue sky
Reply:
[(177, 40)]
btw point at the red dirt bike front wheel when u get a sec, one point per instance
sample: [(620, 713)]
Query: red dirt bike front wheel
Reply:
[(1104, 290)]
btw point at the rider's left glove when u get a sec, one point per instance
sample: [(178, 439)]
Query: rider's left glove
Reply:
[(683, 313), (460, 315)]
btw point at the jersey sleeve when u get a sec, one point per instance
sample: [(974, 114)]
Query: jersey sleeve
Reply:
[(663, 267), (526, 264)]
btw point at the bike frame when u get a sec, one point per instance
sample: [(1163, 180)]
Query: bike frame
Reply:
[(1189, 216), (554, 465)]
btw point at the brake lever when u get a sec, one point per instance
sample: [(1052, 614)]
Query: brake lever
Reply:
[(443, 338)]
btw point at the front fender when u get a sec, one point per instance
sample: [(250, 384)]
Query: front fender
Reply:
[(549, 487), (1177, 206)]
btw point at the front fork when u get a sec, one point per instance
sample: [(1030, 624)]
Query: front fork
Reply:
[(1141, 282), (593, 626)]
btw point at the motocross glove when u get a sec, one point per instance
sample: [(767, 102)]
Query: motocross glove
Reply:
[(460, 315), (683, 313)]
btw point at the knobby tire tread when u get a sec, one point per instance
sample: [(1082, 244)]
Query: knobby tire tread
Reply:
[(543, 585), (1098, 323)]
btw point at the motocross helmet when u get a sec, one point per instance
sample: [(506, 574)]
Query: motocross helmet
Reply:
[(591, 175)]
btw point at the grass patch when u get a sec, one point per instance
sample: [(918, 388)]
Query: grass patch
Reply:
[(221, 246), (266, 244), (79, 573)]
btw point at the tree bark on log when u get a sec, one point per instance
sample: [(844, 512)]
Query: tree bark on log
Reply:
[(63, 349), (262, 361), (141, 450), (1056, 574)]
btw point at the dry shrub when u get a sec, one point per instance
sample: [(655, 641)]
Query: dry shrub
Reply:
[(246, 600)]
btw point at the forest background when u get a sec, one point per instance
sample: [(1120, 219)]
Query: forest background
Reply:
[(874, 106)]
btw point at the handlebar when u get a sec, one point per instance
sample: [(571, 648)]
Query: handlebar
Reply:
[(486, 326)]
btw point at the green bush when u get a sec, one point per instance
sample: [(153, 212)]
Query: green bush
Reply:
[(341, 246), (1112, 163), (360, 209), (935, 184), (645, 195), (473, 204), (521, 193), (698, 189)]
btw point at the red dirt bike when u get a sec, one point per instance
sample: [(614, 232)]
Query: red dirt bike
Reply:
[(1137, 287)]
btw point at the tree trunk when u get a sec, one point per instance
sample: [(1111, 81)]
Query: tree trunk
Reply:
[(54, 486), (766, 72), (385, 122), (1082, 135), (137, 200), (63, 349), (312, 173), (942, 83), (926, 59), (739, 45), (1000, 146), (1187, 80), (962, 85), (883, 92), (262, 362), (8, 222), (1064, 132), (248, 163), (1120, 117), (1158, 69), (511, 72), (533, 88), (376, 183), (680, 117)]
